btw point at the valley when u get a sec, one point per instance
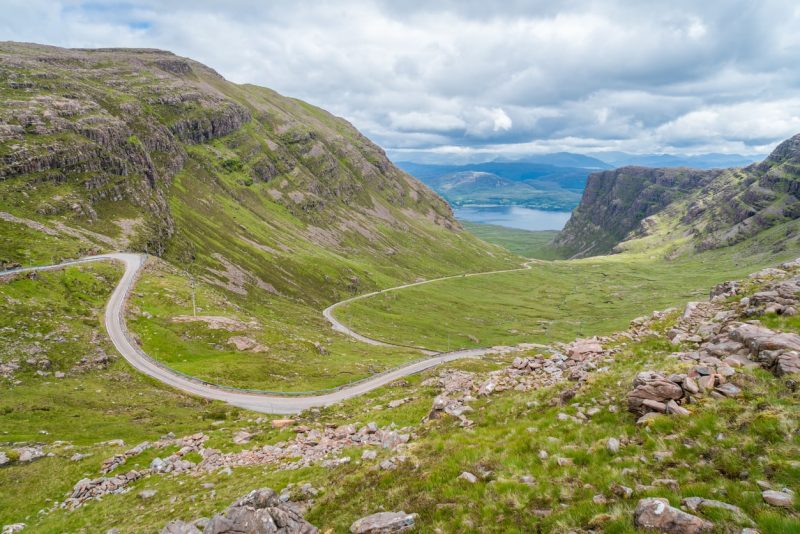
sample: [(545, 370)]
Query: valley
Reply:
[(272, 303)]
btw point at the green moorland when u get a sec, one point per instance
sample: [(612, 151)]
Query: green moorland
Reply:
[(300, 350), (561, 300), (720, 452), (522, 242), (55, 317)]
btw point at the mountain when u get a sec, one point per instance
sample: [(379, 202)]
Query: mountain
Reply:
[(638, 207), (563, 159), (536, 185), (144, 150), (700, 161)]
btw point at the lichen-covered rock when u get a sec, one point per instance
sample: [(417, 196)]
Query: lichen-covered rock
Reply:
[(259, 512), (384, 523)]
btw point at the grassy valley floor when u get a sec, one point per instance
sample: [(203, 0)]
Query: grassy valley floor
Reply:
[(523, 242), (554, 301)]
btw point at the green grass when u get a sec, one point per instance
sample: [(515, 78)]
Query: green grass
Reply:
[(719, 452), (57, 315), (554, 301), (522, 242), (293, 333)]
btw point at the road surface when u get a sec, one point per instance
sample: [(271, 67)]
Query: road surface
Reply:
[(256, 401)]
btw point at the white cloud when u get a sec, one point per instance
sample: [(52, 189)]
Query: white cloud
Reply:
[(513, 76)]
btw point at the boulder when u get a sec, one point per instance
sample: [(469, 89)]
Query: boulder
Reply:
[(787, 363), (652, 387), (657, 515), (180, 527), (777, 498), (259, 512), (384, 523)]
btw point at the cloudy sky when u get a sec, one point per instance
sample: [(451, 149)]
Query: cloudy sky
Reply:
[(459, 77)]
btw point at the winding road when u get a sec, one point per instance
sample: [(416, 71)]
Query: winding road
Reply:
[(253, 400)]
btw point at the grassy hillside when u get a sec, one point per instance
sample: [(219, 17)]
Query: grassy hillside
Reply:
[(271, 206), (541, 463)]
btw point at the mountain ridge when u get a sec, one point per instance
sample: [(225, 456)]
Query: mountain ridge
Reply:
[(627, 207)]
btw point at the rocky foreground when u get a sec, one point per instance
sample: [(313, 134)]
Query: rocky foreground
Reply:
[(715, 342)]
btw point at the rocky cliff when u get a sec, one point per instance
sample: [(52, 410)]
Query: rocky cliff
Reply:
[(713, 208)]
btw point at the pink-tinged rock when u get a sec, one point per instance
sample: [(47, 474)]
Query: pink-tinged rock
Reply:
[(676, 409), (657, 515), (282, 423), (787, 363), (778, 498), (656, 388)]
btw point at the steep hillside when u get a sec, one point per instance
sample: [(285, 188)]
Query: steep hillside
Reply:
[(684, 209), (249, 190)]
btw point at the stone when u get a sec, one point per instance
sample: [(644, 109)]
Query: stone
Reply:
[(646, 418), (690, 385), (622, 491), (695, 504), (13, 528), (651, 387), (384, 523), (180, 527), (369, 455), (242, 437), (657, 514), (282, 423), (469, 477), (728, 389), (676, 409), (612, 445), (259, 511), (777, 498), (147, 494), (4, 458), (787, 363)]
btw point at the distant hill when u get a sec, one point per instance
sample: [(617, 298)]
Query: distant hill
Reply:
[(535, 185), (700, 161)]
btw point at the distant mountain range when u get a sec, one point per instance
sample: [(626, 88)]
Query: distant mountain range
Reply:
[(545, 181)]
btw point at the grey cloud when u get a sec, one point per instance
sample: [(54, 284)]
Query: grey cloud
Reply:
[(470, 76)]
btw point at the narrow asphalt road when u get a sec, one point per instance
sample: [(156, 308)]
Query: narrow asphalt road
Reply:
[(260, 402)]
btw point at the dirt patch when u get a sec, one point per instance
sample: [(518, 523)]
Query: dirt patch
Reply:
[(216, 322), (235, 278), (33, 225), (248, 344)]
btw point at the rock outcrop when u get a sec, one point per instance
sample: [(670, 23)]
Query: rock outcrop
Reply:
[(259, 512), (716, 207)]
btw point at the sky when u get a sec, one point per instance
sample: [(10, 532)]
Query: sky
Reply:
[(474, 76)]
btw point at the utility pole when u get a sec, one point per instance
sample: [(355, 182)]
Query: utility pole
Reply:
[(194, 301)]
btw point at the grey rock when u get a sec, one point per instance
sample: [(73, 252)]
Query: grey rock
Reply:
[(612, 445), (384, 523), (180, 527), (778, 498), (469, 477)]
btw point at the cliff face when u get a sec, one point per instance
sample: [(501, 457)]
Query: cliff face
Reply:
[(615, 202), (715, 208), (195, 168)]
